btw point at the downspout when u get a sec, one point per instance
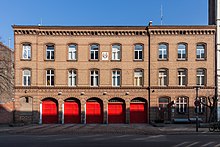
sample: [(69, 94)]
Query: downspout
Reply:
[(149, 76)]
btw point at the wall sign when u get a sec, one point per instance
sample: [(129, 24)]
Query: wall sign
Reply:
[(104, 55)]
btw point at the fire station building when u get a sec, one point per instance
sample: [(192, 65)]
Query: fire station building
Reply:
[(113, 74)]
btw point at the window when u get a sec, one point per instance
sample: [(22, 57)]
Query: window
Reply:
[(201, 108), (94, 78), (182, 104), (200, 77), (138, 52), (138, 78), (72, 52), (116, 78), (94, 52), (200, 52), (163, 52), (26, 77), (181, 52), (116, 52), (163, 77), (50, 52), (182, 77), (72, 77), (50, 77), (26, 53)]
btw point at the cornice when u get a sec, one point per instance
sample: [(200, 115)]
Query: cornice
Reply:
[(182, 32)]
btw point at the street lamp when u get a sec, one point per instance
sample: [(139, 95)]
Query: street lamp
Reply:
[(197, 103)]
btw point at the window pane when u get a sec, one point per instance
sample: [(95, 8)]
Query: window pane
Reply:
[(136, 55)]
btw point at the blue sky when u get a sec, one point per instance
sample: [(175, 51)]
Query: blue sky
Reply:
[(99, 12)]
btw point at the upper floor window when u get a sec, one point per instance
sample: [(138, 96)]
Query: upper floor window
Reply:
[(72, 52), (94, 78), (94, 52), (138, 77), (182, 77), (50, 52), (200, 52), (50, 77), (201, 108), (181, 104), (200, 77), (181, 52), (163, 77), (163, 53), (72, 77), (26, 77), (26, 53), (116, 78), (138, 52), (116, 52)]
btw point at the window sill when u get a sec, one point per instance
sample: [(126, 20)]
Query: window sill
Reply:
[(119, 60), (200, 59), (69, 60), (138, 60), (162, 59), (181, 59), (94, 60), (25, 59), (49, 60)]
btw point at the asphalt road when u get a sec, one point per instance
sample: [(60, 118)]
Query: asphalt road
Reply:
[(100, 140)]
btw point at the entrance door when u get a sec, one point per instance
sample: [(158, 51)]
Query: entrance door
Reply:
[(164, 112), (49, 112), (116, 112), (71, 112), (138, 112), (94, 112)]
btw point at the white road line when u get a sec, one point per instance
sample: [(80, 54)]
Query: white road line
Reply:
[(217, 145), (122, 136), (192, 144), (207, 144), (181, 144)]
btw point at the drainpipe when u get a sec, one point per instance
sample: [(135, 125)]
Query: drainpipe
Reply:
[(149, 84)]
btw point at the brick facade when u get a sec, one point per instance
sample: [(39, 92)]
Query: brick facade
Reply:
[(149, 37)]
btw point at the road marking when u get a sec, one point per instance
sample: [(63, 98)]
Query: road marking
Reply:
[(122, 136), (192, 144), (207, 144), (181, 144), (217, 145)]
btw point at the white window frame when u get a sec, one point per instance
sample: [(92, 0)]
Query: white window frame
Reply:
[(138, 78), (116, 52), (163, 77), (116, 78), (72, 77), (26, 78), (27, 50), (94, 78), (201, 107), (181, 50), (182, 105), (50, 75), (164, 51), (72, 52), (94, 49), (139, 52), (200, 51), (50, 51), (181, 75), (200, 78)]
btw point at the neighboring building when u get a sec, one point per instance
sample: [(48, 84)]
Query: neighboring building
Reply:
[(104, 74), (6, 84)]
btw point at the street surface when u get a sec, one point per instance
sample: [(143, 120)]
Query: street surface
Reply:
[(100, 140)]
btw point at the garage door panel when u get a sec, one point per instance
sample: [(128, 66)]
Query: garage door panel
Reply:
[(94, 112), (138, 113), (49, 112), (116, 113), (71, 112)]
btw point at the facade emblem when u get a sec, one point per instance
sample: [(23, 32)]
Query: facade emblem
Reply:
[(104, 55)]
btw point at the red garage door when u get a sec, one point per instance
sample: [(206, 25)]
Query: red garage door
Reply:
[(116, 113), (49, 112), (94, 112), (71, 112), (138, 113)]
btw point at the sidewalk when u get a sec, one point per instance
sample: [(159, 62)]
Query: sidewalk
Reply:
[(81, 129)]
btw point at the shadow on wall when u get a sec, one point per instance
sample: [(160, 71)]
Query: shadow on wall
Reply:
[(6, 112)]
